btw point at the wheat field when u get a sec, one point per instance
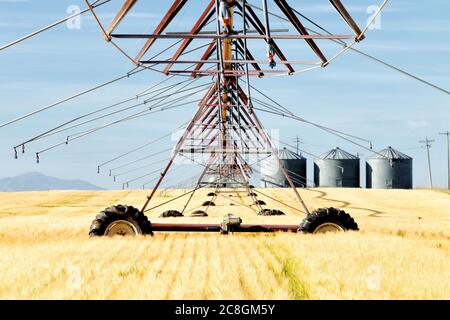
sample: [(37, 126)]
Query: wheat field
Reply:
[(401, 251)]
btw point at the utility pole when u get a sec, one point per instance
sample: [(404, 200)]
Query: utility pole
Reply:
[(297, 143), (427, 143), (448, 155)]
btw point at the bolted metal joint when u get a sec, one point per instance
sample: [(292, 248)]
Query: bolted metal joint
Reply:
[(229, 223)]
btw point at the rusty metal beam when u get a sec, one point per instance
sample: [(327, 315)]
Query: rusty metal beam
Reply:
[(174, 155), (347, 18), (169, 227), (287, 10), (205, 124), (233, 73), (208, 53), (173, 11), (245, 131), (199, 25), (240, 46), (252, 62), (248, 126), (214, 126), (212, 90), (126, 7), (157, 35), (252, 17)]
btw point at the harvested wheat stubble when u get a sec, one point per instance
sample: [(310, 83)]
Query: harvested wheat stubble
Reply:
[(395, 255)]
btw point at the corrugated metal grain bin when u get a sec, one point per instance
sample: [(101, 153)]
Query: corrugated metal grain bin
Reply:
[(389, 169), (337, 168), (272, 175)]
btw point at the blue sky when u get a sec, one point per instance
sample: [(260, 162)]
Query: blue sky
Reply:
[(353, 94)]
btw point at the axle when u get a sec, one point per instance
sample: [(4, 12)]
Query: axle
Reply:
[(247, 228)]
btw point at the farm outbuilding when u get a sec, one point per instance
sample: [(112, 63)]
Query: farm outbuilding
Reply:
[(295, 164), (389, 169), (337, 168)]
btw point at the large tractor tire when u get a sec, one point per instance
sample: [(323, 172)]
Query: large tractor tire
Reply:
[(120, 220), (328, 220)]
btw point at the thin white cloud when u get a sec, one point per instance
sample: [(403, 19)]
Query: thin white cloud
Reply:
[(14, 25), (417, 124), (328, 8)]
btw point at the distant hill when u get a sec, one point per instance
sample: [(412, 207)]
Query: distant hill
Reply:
[(35, 181)]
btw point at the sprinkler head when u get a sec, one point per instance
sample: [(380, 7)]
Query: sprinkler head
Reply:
[(272, 64)]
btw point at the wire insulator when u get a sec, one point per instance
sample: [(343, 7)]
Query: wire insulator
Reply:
[(37, 158), (23, 149), (15, 153), (98, 169)]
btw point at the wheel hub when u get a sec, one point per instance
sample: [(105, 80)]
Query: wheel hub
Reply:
[(328, 227), (122, 228)]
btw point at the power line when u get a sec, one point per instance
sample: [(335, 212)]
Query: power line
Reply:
[(447, 133), (62, 127), (77, 95), (329, 130), (135, 149), (171, 104), (127, 118), (52, 25), (345, 45), (291, 114), (427, 142), (297, 141)]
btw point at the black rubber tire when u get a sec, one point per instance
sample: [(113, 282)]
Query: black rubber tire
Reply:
[(252, 194), (119, 212), (212, 194), (171, 214), (208, 204), (260, 203), (276, 212), (327, 215), (199, 214), (271, 212)]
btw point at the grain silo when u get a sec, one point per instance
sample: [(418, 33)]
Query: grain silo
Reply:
[(389, 169), (272, 175), (337, 168)]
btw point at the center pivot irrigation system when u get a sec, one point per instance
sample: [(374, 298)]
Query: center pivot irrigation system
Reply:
[(225, 131), (213, 66)]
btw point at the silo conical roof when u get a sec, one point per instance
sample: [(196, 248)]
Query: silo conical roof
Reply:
[(389, 153), (285, 154), (338, 154)]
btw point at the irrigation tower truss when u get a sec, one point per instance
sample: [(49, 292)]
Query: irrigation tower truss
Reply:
[(225, 131), (225, 137)]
